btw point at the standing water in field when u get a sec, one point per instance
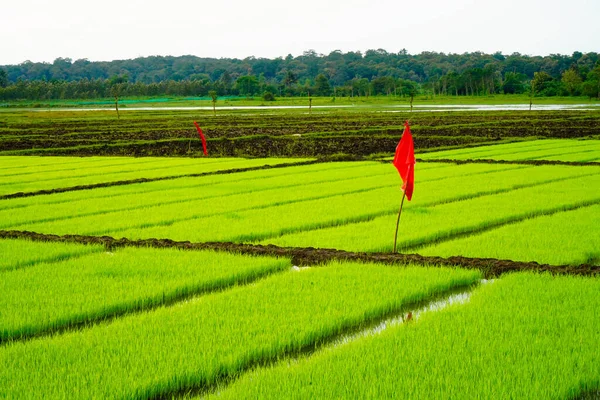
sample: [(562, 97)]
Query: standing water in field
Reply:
[(437, 305)]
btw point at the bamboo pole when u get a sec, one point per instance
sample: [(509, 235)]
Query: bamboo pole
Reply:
[(398, 221)]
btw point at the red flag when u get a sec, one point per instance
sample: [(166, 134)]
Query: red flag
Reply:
[(404, 161), (202, 138)]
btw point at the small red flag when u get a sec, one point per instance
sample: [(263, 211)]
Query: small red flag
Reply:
[(202, 138), (404, 161)]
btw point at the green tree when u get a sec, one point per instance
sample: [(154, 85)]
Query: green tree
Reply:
[(3, 78), (514, 83), (268, 96), (571, 80), (247, 85), (290, 79), (213, 96), (322, 86), (540, 82), (117, 83), (591, 86)]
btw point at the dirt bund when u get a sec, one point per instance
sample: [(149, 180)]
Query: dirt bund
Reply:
[(253, 146), (525, 162), (490, 267)]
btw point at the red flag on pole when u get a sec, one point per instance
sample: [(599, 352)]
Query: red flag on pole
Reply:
[(404, 161), (202, 138)]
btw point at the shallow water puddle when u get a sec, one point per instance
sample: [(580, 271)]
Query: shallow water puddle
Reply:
[(435, 305)]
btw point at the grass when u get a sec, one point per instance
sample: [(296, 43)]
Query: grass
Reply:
[(166, 101), (524, 336), (51, 296), (195, 343), (570, 237)]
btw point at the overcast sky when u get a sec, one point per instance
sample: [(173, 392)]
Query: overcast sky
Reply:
[(42, 30)]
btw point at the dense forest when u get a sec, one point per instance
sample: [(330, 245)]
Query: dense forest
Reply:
[(376, 72)]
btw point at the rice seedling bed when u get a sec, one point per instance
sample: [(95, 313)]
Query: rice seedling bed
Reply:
[(15, 254), (196, 343), (558, 150), (156, 187), (570, 237), (237, 218), (184, 194), (50, 296), (522, 336), (426, 225), (92, 175)]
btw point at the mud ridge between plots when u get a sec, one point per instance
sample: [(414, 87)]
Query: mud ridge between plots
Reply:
[(524, 162), (490, 267), (163, 178)]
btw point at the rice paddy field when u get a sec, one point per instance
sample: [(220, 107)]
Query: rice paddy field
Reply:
[(266, 270)]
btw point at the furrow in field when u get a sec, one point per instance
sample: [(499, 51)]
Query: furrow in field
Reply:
[(53, 297), (196, 343), (523, 336)]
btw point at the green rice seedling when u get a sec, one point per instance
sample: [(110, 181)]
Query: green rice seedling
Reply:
[(16, 254), (361, 203), (570, 237), (162, 167), (196, 343), (559, 150), (349, 207), (51, 296), (524, 336), (171, 208), (182, 194), (196, 183), (426, 225), (486, 151)]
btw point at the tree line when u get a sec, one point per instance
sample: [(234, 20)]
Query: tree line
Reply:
[(376, 72)]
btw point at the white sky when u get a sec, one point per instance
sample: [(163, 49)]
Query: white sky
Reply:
[(42, 30)]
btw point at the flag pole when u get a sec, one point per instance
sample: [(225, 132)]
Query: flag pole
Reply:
[(398, 220)]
